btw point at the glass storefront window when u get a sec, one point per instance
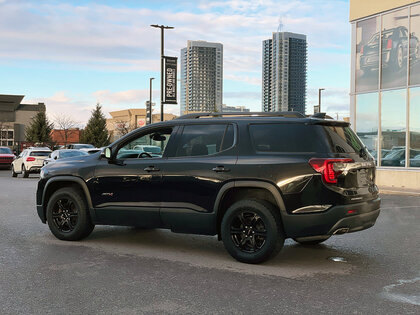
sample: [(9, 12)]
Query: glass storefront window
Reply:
[(367, 121), (393, 123), (415, 45), (367, 54), (394, 49), (415, 127)]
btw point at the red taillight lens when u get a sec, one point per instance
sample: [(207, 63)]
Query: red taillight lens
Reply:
[(30, 159), (362, 49), (389, 44), (329, 168)]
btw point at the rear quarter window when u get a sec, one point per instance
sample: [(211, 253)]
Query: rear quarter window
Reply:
[(284, 138)]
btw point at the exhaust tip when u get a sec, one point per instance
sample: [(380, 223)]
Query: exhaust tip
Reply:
[(341, 231)]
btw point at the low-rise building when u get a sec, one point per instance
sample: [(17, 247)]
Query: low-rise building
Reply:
[(234, 109), (64, 137), (14, 118)]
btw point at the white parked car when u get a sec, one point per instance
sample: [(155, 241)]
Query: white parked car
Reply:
[(30, 161)]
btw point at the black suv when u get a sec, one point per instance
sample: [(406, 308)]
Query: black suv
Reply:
[(251, 179)]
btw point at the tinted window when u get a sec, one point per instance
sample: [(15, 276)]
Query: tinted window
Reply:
[(343, 139), (287, 138), (83, 146), (198, 140), (156, 139), (5, 151), (40, 153)]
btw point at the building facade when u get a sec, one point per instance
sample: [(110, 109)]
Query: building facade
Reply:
[(284, 60), (385, 86), (234, 109), (14, 118), (201, 77)]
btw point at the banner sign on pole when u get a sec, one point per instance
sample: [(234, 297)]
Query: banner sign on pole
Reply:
[(170, 80)]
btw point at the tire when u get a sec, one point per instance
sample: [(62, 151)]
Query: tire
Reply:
[(25, 174), (399, 58), (315, 242), (242, 230), (67, 215), (14, 174)]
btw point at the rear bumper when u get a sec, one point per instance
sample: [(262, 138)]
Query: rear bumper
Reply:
[(35, 169), (335, 220)]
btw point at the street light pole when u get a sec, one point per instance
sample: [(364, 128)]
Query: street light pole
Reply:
[(150, 102), (162, 54), (319, 98)]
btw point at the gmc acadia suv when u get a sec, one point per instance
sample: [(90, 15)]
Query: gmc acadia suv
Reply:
[(253, 179)]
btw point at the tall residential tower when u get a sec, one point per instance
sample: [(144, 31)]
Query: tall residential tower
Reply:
[(201, 77), (284, 72)]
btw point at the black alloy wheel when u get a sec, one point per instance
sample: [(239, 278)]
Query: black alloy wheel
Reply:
[(248, 232), (25, 173), (252, 231), (68, 215), (65, 215)]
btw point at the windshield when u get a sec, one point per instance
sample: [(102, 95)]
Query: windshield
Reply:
[(394, 154), (5, 151), (66, 154), (156, 150)]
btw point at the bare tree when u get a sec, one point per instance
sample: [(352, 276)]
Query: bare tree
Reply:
[(67, 127), (123, 127)]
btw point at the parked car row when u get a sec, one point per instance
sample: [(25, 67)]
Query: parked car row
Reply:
[(32, 159)]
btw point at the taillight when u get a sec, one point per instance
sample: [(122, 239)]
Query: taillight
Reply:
[(30, 159), (329, 168), (362, 49), (389, 44)]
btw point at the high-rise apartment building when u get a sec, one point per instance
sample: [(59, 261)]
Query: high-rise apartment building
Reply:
[(201, 77), (284, 72)]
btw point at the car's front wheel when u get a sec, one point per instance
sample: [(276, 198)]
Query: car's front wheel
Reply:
[(251, 231), (14, 174), (67, 215)]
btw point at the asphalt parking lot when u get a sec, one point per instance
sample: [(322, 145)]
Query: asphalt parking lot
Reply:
[(131, 271)]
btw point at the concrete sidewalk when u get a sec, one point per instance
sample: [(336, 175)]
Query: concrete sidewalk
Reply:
[(398, 191)]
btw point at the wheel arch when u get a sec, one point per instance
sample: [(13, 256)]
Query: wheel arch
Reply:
[(55, 183), (236, 190)]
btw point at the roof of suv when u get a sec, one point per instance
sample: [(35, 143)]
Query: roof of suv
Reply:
[(295, 117)]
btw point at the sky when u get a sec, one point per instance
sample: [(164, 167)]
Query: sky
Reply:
[(72, 54)]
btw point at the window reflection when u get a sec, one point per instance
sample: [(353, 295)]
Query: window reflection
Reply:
[(415, 45), (394, 49), (367, 121), (367, 55), (415, 127), (393, 123)]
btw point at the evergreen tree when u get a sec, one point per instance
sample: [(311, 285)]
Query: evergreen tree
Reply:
[(39, 130), (95, 132)]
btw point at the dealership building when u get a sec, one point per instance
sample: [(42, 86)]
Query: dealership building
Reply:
[(385, 86)]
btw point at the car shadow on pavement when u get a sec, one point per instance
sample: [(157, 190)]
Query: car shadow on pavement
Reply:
[(293, 261)]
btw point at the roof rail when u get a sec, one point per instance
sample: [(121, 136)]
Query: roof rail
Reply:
[(263, 114)]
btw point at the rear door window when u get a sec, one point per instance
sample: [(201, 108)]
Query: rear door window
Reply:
[(283, 138), (40, 153), (201, 140)]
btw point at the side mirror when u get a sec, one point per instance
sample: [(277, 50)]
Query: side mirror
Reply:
[(107, 153)]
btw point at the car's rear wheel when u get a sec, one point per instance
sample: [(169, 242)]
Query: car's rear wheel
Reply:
[(399, 58), (14, 174), (25, 173), (67, 215), (251, 231), (314, 242)]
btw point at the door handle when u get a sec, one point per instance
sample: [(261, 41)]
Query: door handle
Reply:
[(220, 168), (151, 168)]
